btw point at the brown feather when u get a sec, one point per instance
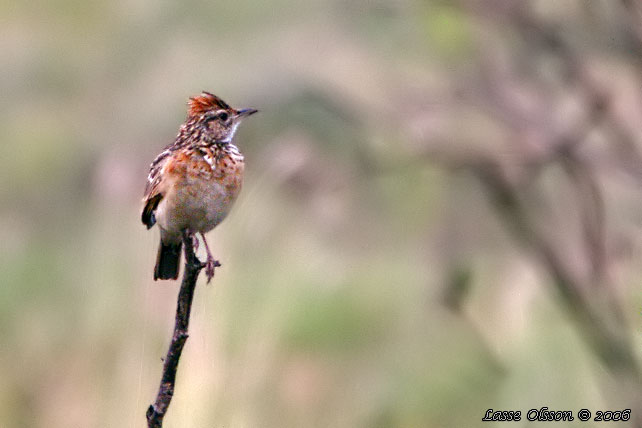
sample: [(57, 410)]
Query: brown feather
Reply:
[(204, 102)]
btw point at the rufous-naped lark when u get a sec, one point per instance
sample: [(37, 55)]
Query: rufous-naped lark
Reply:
[(193, 183)]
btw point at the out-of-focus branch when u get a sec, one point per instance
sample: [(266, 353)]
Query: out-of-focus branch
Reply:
[(609, 336), (602, 325), (592, 214), (156, 412), (509, 203), (588, 297)]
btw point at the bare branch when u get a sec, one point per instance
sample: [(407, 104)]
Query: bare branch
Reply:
[(156, 412)]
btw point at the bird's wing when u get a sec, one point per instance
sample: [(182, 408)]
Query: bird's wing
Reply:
[(153, 195)]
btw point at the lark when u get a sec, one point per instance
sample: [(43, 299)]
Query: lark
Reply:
[(193, 183)]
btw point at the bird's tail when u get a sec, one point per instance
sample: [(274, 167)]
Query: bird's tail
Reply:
[(167, 262)]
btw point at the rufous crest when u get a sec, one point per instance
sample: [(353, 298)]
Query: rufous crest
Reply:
[(206, 101)]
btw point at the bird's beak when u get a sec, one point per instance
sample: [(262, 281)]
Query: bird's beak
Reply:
[(246, 112)]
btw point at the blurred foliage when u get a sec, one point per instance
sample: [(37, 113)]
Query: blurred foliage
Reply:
[(365, 283)]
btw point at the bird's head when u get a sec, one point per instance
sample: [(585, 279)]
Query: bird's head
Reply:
[(215, 117)]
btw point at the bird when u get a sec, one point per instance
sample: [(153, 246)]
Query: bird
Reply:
[(193, 183)]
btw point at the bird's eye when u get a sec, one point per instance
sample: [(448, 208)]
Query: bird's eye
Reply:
[(223, 116)]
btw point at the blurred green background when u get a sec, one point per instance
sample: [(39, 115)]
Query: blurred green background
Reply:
[(367, 279)]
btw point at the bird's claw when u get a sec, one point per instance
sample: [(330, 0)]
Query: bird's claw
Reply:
[(210, 265)]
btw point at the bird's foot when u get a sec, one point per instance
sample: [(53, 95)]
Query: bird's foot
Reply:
[(210, 265)]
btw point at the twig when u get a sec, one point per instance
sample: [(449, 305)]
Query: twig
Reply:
[(156, 412)]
